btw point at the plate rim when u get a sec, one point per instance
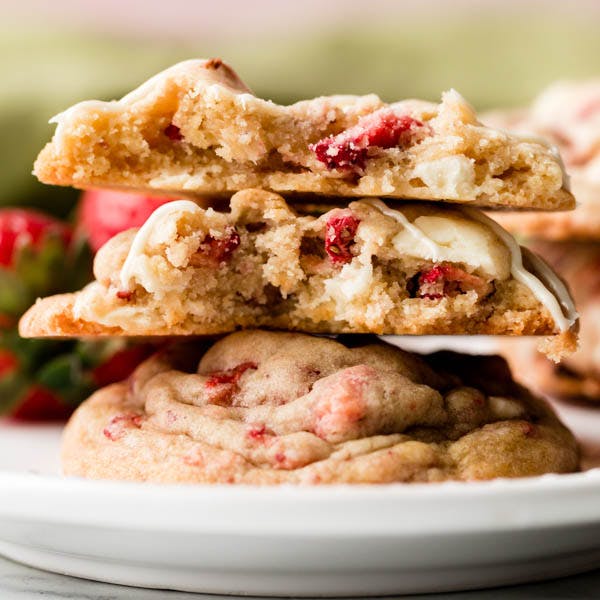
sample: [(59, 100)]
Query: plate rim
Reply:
[(381, 509)]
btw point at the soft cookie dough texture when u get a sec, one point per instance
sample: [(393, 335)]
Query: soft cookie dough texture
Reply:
[(567, 114), (272, 408), (196, 130), (421, 269)]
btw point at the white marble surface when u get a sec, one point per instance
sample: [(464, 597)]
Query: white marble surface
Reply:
[(18, 582)]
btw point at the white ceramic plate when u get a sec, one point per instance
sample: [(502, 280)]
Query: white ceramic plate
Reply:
[(293, 541)]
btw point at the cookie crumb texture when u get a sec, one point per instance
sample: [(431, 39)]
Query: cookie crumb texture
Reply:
[(196, 129), (362, 269), (269, 408)]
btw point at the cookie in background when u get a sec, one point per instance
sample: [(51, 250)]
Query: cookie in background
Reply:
[(577, 376), (567, 115)]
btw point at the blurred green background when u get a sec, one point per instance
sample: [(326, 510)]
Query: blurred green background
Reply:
[(495, 53)]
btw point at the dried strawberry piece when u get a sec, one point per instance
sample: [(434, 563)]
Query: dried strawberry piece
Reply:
[(217, 250), (529, 429), (257, 432), (349, 149), (229, 376), (340, 230), (220, 394), (341, 401), (194, 458), (124, 295), (173, 132), (119, 423), (447, 280)]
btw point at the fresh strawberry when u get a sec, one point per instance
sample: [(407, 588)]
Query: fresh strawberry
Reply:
[(44, 380), (34, 252), (104, 213), (41, 404), (382, 129), (20, 228), (8, 363), (121, 364)]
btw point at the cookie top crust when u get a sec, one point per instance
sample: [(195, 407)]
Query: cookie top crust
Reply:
[(269, 408), (422, 268), (567, 114), (197, 130)]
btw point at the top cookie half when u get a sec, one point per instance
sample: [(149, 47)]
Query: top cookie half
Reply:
[(196, 130)]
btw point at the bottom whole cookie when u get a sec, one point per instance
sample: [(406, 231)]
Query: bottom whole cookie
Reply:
[(262, 407)]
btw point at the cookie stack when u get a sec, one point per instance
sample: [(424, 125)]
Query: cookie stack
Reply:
[(568, 115), (284, 233)]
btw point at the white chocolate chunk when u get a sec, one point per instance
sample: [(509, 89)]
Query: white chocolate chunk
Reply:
[(451, 176), (135, 267)]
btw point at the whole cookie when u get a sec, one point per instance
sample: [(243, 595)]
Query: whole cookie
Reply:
[(270, 408)]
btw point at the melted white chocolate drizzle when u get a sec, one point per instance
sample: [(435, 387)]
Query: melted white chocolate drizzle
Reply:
[(558, 301), (141, 237), (420, 237)]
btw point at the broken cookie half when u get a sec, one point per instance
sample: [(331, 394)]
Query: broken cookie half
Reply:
[(420, 268), (196, 130)]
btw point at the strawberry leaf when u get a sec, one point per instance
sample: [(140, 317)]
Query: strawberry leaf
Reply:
[(14, 296), (12, 388), (66, 377)]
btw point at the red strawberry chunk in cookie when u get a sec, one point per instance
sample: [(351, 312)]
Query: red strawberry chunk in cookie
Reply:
[(118, 425), (341, 403), (447, 280), (229, 376), (219, 394), (340, 230), (349, 149), (257, 432), (217, 250), (173, 132)]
